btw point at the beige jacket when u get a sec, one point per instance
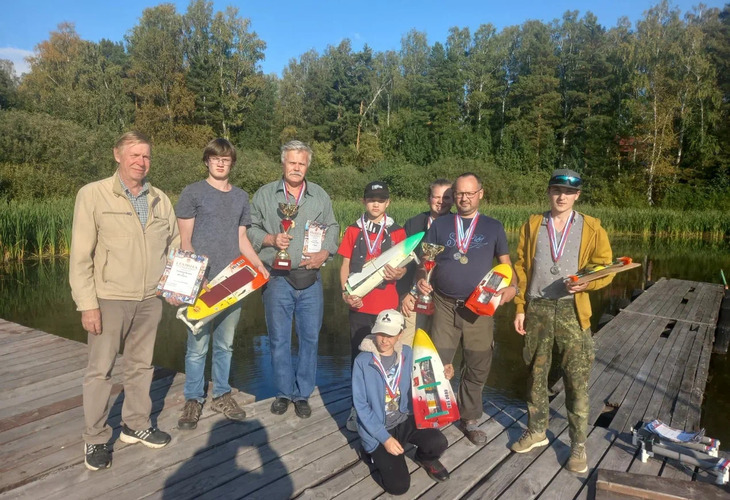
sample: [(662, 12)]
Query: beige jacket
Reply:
[(112, 255)]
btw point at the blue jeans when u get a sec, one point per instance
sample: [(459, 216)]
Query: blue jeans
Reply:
[(282, 303), (223, 327)]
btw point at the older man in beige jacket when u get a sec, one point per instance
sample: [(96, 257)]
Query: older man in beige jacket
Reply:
[(122, 230)]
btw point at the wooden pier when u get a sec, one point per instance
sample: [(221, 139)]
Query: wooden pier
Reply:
[(651, 362)]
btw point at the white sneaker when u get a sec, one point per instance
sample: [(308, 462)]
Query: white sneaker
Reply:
[(352, 421)]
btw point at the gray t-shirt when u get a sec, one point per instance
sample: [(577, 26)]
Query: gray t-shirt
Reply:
[(218, 215), (543, 283)]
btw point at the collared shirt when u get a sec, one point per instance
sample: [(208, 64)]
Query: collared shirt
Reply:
[(315, 205), (139, 202)]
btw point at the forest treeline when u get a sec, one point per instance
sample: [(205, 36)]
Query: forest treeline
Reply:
[(642, 111)]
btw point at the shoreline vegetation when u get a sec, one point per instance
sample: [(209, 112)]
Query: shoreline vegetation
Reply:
[(42, 228)]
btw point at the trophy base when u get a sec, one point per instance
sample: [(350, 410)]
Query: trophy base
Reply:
[(426, 309), (281, 265)]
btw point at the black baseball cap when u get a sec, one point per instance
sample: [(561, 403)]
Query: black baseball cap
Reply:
[(377, 189), (566, 178)]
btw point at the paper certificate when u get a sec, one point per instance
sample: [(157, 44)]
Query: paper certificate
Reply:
[(313, 236), (183, 276)]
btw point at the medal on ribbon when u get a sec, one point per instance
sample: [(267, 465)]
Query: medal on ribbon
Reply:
[(371, 247), (391, 388), (463, 238), (557, 246)]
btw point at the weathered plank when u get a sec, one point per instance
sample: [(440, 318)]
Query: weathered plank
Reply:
[(566, 484), (652, 487), (65, 449), (505, 427)]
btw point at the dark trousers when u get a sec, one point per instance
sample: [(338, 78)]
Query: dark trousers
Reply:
[(453, 325), (430, 443), (360, 326)]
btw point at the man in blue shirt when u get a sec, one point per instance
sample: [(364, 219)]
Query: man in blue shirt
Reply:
[(472, 242)]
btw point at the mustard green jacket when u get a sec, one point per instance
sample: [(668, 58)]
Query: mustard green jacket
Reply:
[(112, 255), (594, 249)]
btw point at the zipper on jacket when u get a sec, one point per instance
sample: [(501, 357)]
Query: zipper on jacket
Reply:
[(107, 212)]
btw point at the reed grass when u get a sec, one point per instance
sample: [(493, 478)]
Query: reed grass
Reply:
[(39, 229), (35, 228)]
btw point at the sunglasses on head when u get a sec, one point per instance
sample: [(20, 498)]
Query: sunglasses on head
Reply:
[(574, 182)]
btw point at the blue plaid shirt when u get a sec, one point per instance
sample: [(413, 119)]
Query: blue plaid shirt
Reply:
[(139, 202)]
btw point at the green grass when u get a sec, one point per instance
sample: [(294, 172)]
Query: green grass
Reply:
[(35, 229), (43, 229)]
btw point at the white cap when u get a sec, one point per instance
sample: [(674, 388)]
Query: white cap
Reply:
[(389, 322)]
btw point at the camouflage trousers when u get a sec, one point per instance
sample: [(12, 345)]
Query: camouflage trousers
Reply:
[(553, 329)]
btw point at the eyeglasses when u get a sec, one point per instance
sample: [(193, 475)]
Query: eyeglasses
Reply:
[(562, 180), (466, 194), (221, 160)]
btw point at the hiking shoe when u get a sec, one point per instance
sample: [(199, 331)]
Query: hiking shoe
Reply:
[(352, 420), (434, 469), (190, 415), (279, 406), (473, 433), (98, 456), (151, 438), (578, 462), (528, 441), (226, 405), (302, 409)]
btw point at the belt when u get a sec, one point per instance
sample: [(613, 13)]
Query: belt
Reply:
[(451, 300)]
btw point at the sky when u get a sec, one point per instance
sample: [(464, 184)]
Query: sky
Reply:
[(291, 27)]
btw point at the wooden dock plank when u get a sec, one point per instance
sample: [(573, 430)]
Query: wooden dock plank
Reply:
[(40, 356), (460, 450), (502, 429), (140, 468), (64, 452), (360, 470), (246, 447), (566, 484), (516, 463)]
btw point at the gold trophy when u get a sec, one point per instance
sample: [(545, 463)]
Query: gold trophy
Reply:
[(283, 260), (424, 304)]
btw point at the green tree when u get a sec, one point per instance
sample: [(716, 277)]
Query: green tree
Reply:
[(163, 103), (535, 97), (8, 84), (78, 80), (236, 55)]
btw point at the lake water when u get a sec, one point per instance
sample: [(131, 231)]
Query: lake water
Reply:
[(36, 294)]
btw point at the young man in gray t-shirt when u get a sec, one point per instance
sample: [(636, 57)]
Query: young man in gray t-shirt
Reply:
[(213, 216)]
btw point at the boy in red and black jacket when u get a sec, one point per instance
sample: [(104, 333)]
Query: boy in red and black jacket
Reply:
[(372, 234)]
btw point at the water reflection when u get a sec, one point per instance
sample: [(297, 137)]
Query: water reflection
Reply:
[(37, 294)]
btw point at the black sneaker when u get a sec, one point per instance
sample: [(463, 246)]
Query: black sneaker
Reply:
[(190, 415), (98, 456), (152, 437), (279, 406), (435, 469), (302, 409)]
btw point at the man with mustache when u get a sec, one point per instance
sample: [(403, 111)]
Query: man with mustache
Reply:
[(294, 294)]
